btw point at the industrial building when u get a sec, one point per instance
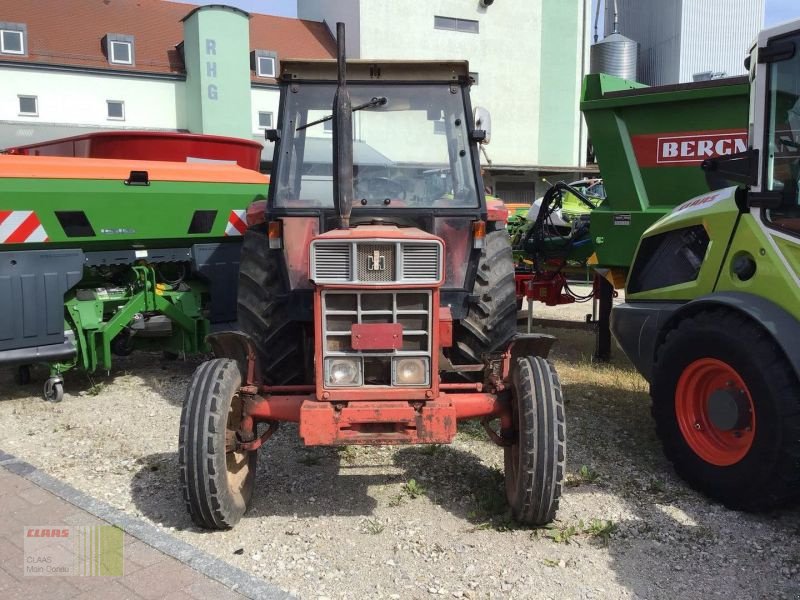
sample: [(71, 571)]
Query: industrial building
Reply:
[(527, 59), (686, 40)]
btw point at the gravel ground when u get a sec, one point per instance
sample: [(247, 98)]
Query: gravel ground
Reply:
[(420, 522)]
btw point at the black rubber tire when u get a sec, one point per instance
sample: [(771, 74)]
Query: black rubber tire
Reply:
[(535, 463), (53, 391), (767, 476), (217, 486), (491, 322), (263, 314)]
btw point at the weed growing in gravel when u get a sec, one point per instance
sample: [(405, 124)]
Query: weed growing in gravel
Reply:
[(96, 388), (601, 530), (397, 500), (598, 529), (431, 449), (413, 489), (348, 454), (373, 526), (585, 474)]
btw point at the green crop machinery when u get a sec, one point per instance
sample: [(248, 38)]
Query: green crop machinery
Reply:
[(101, 257), (649, 143)]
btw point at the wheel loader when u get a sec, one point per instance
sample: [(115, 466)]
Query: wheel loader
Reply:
[(713, 302)]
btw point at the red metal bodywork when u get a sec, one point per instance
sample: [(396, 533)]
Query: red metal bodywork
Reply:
[(150, 145), (375, 414)]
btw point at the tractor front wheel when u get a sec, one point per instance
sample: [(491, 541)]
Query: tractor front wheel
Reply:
[(726, 404), (534, 462), (217, 481)]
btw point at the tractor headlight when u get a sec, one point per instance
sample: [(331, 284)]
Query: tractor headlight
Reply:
[(410, 371), (343, 371)]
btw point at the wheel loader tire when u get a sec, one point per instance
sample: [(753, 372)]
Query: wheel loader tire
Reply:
[(726, 404), (535, 461), (217, 484), (263, 313), (491, 321)]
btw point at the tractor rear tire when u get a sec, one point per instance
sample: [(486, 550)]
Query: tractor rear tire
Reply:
[(217, 482), (726, 403), (491, 321), (535, 461), (264, 313)]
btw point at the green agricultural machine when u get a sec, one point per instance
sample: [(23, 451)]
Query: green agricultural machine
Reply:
[(649, 143), (712, 311), (101, 257)]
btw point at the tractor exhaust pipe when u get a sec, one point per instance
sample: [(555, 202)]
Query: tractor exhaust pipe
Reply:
[(342, 137)]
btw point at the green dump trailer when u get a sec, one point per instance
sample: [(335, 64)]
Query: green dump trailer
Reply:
[(101, 257)]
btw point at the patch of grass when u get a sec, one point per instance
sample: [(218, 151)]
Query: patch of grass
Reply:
[(585, 475), (471, 430), (413, 489), (563, 534), (373, 526), (601, 530), (431, 449), (397, 500), (96, 388), (348, 454)]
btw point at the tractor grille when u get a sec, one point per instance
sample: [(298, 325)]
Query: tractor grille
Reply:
[(332, 262), (376, 261), (410, 309)]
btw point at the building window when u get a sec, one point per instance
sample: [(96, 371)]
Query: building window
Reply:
[(120, 53), (265, 120), (28, 106), (453, 24), (475, 77), (439, 128), (265, 66), (12, 41), (115, 110), (120, 49)]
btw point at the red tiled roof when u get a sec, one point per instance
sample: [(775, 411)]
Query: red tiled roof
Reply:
[(71, 33)]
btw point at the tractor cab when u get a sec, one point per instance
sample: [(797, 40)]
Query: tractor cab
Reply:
[(415, 160)]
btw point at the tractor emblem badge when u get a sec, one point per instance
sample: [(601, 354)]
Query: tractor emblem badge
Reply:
[(376, 262)]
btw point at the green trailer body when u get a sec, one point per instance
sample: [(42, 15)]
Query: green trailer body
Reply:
[(101, 257), (649, 143)]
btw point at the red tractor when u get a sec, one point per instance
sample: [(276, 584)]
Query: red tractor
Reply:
[(376, 294)]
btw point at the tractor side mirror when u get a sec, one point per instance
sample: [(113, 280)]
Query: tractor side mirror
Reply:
[(741, 167), (483, 124)]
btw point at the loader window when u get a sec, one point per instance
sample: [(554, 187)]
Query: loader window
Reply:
[(399, 160), (783, 140)]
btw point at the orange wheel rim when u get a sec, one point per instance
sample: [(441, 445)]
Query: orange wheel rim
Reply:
[(715, 412)]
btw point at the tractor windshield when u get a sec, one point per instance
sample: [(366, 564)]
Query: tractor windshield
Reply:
[(410, 148)]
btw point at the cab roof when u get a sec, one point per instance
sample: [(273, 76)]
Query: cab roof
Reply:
[(371, 70)]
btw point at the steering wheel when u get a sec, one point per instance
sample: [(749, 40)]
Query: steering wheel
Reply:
[(377, 188)]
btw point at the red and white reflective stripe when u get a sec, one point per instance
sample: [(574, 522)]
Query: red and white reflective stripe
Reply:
[(20, 227), (237, 224)]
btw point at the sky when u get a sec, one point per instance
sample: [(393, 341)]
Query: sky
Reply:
[(776, 10)]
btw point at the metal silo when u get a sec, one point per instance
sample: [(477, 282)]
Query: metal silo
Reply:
[(615, 55)]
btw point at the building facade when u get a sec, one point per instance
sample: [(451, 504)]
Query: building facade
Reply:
[(527, 60), (88, 65), (683, 40)]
